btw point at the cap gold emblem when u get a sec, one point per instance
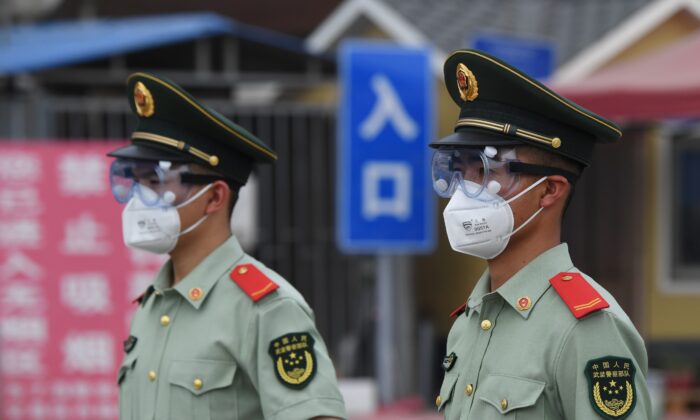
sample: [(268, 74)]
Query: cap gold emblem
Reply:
[(145, 106), (196, 293), (466, 83)]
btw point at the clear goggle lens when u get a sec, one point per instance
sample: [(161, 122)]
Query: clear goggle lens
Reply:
[(473, 170), (157, 184)]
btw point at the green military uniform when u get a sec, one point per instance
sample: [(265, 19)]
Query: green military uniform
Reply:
[(202, 349), (518, 352), (231, 340), (550, 343)]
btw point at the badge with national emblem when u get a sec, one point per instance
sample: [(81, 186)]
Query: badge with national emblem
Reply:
[(611, 389), (145, 105), (294, 359), (466, 83)]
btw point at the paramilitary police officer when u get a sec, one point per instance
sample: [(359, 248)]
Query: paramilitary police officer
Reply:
[(537, 339), (217, 335)]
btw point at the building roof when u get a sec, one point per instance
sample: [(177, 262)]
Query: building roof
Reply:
[(625, 90), (70, 42), (570, 25)]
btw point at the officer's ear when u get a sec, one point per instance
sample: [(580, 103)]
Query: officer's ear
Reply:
[(556, 191), (219, 198)]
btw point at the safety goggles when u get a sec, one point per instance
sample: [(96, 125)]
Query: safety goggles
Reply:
[(157, 184), (491, 169)]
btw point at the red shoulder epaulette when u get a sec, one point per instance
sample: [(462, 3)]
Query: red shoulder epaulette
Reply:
[(146, 293), (253, 282), (459, 310), (578, 294)]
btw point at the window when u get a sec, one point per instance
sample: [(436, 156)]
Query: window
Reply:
[(686, 207), (678, 205)]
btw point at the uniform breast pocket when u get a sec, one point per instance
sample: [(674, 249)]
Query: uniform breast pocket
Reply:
[(201, 389), (446, 393), (128, 394), (508, 397)]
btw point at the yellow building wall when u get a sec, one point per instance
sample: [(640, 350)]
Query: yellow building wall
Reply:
[(668, 316)]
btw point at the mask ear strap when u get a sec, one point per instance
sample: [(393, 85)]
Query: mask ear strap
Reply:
[(526, 190), (194, 197), (524, 223)]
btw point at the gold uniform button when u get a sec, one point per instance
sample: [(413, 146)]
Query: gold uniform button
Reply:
[(165, 320), (469, 390), (152, 376), (242, 270), (567, 278), (438, 401), (197, 383), (486, 325), (504, 404)]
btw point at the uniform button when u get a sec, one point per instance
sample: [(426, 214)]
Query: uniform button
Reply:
[(152, 376), (486, 325), (157, 293), (469, 390), (165, 320), (197, 383), (567, 278), (504, 404), (438, 401)]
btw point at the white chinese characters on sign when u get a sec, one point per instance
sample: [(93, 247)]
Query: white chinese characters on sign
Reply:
[(23, 328), (388, 109), (21, 362), (394, 200), (86, 293), (24, 201), (21, 296), (88, 352), (82, 174), (19, 167), (397, 177), (22, 233), (18, 265), (84, 235)]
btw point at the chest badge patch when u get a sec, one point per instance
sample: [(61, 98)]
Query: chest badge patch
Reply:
[(130, 343), (294, 359), (611, 386), (449, 361)]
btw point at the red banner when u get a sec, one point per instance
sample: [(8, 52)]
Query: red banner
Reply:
[(66, 281)]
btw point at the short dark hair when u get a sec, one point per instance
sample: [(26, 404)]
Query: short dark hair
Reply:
[(234, 186), (545, 158)]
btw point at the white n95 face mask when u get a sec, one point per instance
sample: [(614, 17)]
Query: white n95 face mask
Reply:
[(155, 229), (482, 226)]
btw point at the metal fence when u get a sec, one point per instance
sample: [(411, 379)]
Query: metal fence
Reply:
[(296, 202)]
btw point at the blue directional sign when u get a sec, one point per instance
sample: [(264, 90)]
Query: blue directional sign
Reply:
[(385, 201), (533, 57)]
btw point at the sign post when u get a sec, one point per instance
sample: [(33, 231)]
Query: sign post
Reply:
[(385, 200)]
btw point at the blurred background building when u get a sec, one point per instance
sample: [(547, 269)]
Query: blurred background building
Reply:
[(271, 66)]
